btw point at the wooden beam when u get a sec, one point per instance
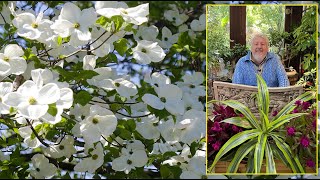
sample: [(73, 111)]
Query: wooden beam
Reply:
[(293, 16), (237, 25)]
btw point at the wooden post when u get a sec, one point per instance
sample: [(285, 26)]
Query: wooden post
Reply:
[(237, 25), (293, 16)]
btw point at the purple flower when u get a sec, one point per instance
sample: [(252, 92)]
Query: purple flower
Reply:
[(314, 113), (235, 128), (305, 105), (216, 146), (298, 103), (310, 163), (216, 127), (291, 131), (304, 141), (274, 113), (295, 111)]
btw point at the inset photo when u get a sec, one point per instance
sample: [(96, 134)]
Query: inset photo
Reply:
[(262, 89)]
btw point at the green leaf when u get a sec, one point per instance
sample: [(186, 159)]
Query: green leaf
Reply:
[(270, 165), (233, 142), (243, 150), (263, 95), (53, 109), (259, 152), (82, 97), (290, 106), (121, 46), (282, 120), (244, 110), (238, 121), (287, 154)]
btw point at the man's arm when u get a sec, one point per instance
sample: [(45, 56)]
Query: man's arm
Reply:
[(238, 76), (282, 75)]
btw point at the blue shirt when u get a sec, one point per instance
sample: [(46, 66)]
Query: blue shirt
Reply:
[(272, 71)]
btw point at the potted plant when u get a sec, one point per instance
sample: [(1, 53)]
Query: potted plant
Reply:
[(260, 135)]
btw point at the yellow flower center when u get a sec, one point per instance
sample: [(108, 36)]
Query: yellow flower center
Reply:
[(76, 25), (34, 25), (94, 157), (117, 84), (6, 59), (61, 147), (144, 50), (124, 11), (95, 121), (163, 99), (32, 101)]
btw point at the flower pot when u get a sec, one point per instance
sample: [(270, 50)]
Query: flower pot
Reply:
[(222, 166), (292, 75)]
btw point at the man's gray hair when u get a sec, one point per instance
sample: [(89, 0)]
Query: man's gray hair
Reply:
[(261, 35)]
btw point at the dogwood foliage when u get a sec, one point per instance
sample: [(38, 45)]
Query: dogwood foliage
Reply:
[(102, 89)]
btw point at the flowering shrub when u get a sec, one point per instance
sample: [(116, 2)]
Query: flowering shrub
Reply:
[(220, 132), (301, 132), (101, 89)]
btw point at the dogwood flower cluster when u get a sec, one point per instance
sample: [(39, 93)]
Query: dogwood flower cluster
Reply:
[(64, 96)]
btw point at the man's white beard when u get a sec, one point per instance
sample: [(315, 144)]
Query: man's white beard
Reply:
[(258, 58)]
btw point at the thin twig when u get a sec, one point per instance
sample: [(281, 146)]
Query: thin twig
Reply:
[(36, 134)]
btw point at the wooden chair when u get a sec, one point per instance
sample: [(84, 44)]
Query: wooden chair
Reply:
[(279, 96)]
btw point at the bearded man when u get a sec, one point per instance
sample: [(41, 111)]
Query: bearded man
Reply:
[(260, 60)]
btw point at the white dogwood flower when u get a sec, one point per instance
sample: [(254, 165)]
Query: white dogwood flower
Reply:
[(130, 159), (168, 38), (135, 15), (199, 25), (169, 97), (42, 167), (64, 148), (196, 168), (26, 132), (92, 163), (192, 126), (75, 22), (33, 102), (147, 127), (11, 61), (175, 17), (101, 121), (148, 33), (148, 51), (5, 88), (124, 87), (89, 62), (31, 27)]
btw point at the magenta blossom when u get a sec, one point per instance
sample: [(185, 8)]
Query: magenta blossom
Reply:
[(295, 111), (274, 113), (216, 146), (314, 113), (310, 163), (291, 131), (305, 105), (304, 141), (216, 127), (235, 128), (298, 103)]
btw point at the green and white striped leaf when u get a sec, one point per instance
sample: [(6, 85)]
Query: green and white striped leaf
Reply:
[(242, 151), (290, 106), (263, 95), (259, 152), (264, 120), (244, 110), (270, 165), (238, 121), (234, 141), (250, 164), (296, 167), (282, 120)]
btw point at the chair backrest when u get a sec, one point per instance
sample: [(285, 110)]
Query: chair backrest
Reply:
[(279, 96)]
